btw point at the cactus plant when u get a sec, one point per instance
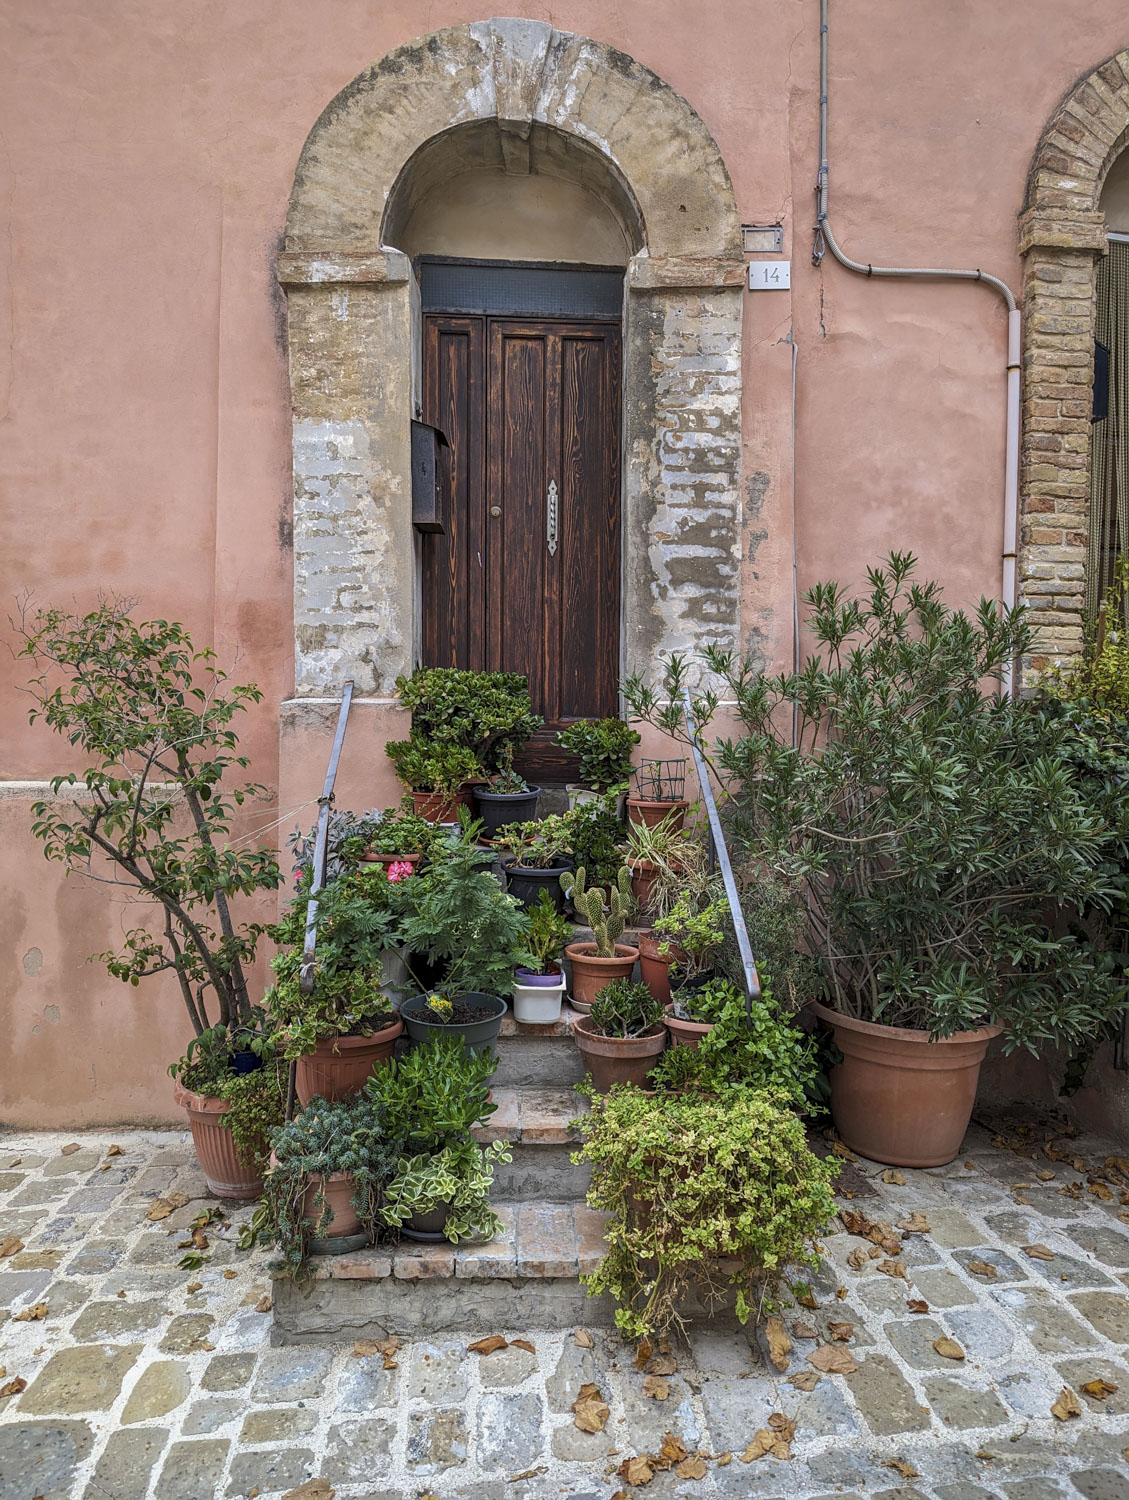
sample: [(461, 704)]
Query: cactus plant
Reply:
[(605, 912)]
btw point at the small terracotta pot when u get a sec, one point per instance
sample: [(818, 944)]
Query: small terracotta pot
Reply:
[(590, 974), (618, 1059), (899, 1098), (440, 807), (339, 1066), (339, 1190), (685, 1033), (654, 969), (229, 1176), (642, 810)]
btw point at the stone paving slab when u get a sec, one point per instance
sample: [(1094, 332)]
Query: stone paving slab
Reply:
[(152, 1382)]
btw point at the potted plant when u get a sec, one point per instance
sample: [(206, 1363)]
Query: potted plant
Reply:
[(659, 793), (398, 837), (604, 749), (621, 1036), (665, 863), (506, 798), (718, 1193), (595, 835), (328, 1169), (942, 838), (532, 856), (597, 963), (751, 1045), (685, 944), (437, 777), (233, 1087), (539, 987), (347, 1025), (693, 1013), (154, 716), (431, 1099), (456, 915)]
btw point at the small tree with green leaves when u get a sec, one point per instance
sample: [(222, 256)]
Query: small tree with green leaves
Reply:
[(151, 816)]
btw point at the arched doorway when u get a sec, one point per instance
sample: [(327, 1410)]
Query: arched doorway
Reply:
[(517, 126)]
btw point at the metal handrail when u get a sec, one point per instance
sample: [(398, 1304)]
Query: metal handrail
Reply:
[(306, 972), (717, 838)]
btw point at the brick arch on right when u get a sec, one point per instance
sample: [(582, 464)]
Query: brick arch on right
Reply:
[(1062, 237)]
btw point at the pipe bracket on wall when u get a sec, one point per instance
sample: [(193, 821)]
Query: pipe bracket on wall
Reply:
[(552, 505)]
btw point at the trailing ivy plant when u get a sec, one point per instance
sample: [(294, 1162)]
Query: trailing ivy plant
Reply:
[(458, 1178), (944, 841), (755, 1047), (151, 816), (346, 1136), (716, 1192)]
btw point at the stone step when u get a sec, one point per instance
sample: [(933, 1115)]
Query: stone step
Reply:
[(538, 1056), (526, 1277), (536, 1123)]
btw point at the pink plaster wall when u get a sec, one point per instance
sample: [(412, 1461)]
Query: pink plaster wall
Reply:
[(148, 152)]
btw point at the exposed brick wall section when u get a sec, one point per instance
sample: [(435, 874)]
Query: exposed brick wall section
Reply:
[(1062, 236)]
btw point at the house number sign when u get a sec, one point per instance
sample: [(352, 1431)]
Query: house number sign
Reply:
[(770, 275)]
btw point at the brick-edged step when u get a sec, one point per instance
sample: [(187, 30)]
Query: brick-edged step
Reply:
[(535, 1120), (525, 1277), (538, 1056)]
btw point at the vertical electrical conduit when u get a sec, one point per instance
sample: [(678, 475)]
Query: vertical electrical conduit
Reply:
[(824, 237)]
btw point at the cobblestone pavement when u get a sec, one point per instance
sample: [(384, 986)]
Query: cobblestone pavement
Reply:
[(146, 1380)]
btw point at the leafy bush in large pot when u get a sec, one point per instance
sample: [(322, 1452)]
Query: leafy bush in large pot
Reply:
[(152, 816), (942, 840)]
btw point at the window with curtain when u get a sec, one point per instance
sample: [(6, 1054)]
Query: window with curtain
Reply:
[(1109, 469)]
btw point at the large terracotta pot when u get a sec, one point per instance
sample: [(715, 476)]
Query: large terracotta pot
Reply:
[(439, 807), (618, 1059), (899, 1098), (654, 970), (229, 1176), (339, 1066), (643, 874), (643, 810), (590, 974)]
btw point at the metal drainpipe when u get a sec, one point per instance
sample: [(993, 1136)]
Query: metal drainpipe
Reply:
[(825, 238)]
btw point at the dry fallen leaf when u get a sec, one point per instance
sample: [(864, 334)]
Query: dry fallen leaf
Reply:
[(363, 1347), (121, 1294), (779, 1344), (948, 1348), (804, 1331), (263, 1305), (1099, 1190), (33, 1314), (583, 1339), (662, 1364), (13, 1387), (489, 1345), (636, 1470), (1067, 1405), (1045, 1176), (162, 1207), (656, 1387), (893, 1268), (10, 1246), (671, 1451), (230, 1275), (643, 1353), (1098, 1390), (193, 1286), (691, 1468), (893, 1177), (831, 1359), (774, 1441), (917, 1305), (70, 1150), (916, 1223), (806, 1380), (114, 1151), (523, 1344), (527, 1474), (904, 1468), (857, 1258), (838, 1149), (982, 1268), (590, 1410), (313, 1489), (841, 1332), (1039, 1252)]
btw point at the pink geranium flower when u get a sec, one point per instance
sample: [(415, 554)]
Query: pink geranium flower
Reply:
[(399, 870)]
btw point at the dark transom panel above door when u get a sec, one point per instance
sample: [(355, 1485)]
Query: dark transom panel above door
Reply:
[(527, 577)]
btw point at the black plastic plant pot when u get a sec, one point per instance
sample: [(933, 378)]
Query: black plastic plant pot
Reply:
[(479, 1035), (496, 809), (527, 885), (245, 1062), (427, 1227)]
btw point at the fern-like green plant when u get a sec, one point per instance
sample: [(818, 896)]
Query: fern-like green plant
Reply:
[(606, 912)]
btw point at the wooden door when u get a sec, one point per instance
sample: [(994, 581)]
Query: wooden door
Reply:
[(527, 577)]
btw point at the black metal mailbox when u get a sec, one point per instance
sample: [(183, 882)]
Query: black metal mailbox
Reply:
[(428, 477)]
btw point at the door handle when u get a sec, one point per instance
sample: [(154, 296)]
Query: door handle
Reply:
[(552, 505)]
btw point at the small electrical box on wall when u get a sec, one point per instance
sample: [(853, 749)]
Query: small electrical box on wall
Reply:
[(428, 463)]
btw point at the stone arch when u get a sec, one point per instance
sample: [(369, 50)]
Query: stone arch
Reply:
[(528, 90), (1062, 235)]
